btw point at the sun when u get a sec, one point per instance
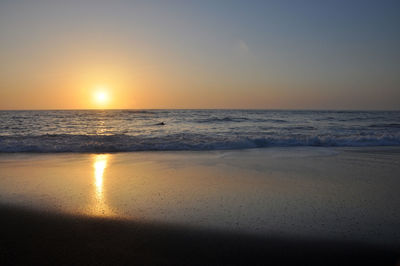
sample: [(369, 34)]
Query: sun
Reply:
[(101, 97)]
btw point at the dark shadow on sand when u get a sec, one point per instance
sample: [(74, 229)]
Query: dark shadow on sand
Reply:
[(30, 237)]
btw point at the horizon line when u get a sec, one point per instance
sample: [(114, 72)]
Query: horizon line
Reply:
[(216, 109)]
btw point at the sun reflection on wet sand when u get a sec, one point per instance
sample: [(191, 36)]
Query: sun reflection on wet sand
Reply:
[(99, 205), (100, 164)]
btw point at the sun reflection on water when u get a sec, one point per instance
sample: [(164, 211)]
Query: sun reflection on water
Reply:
[(100, 164)]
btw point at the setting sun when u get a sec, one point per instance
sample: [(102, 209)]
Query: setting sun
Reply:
[(101, 97), (163, 132)]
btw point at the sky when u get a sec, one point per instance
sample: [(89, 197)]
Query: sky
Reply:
[(200, 54)]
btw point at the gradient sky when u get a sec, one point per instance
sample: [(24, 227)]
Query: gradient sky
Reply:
[(200, 54)]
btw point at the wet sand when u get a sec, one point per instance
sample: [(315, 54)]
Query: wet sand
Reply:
[(45, 238), (295, 205)]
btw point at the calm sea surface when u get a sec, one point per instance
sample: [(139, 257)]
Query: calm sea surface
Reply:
[(141, 130)]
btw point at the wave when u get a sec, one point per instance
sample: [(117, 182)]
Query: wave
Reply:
[(387, 125), (184, 141), (138, 111), (237, 119), (223, 119)]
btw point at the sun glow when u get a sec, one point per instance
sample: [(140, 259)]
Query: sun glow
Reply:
[(101, 97)]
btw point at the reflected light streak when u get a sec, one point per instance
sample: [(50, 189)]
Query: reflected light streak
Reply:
[(100, 164)]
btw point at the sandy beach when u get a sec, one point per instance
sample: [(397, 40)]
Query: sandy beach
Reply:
[(42, 238), (199, 132), (309, 205)]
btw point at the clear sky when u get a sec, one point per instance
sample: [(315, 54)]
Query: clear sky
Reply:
[(200, 54)]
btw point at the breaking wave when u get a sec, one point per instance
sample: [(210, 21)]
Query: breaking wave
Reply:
[(175, 142), (162, 130)]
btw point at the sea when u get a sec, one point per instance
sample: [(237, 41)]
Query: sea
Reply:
[(101, 131)]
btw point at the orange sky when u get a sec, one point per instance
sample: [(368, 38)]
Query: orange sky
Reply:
[(55, 55)]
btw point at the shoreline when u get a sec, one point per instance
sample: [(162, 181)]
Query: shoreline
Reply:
[(369, 148)]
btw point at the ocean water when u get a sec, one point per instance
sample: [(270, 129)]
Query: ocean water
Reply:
[(145, 130)]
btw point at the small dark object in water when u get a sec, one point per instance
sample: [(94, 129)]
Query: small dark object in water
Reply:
[(160, 124)]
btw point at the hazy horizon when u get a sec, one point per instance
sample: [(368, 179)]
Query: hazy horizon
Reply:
[(205, 109), (278, 55)]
